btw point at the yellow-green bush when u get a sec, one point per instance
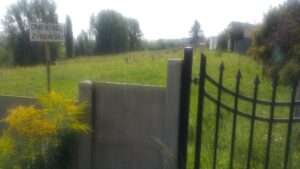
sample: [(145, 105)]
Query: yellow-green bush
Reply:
[(35, 132)]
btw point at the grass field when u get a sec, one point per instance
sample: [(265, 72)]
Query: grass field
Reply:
[(149, 67)]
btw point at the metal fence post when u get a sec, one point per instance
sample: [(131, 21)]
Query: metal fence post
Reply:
[(184, 106), (297, 107), (201, 90)]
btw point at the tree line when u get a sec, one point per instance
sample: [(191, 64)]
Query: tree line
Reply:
[(16, 30), (109, 32)]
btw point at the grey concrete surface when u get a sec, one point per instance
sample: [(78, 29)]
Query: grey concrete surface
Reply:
[(83, 156), (8, 102), (128, 126), (134, 126), (171, 116)]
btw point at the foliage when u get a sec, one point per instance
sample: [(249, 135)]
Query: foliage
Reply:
[(35, 133), (111, 32), (15, 24), (114, 33), (5, 52), (69, 37), (276, 42), (134, 34), (222, 41), (84, 44), (7, 151), (290, 72), (196, 34), (5, 56)]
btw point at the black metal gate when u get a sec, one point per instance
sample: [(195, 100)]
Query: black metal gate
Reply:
[(204, 80)]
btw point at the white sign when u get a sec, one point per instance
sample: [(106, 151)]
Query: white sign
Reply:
[(46, 32)]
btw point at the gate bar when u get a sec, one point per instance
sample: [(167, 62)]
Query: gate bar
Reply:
[(200, 111), (184, 106), (233, 133), (250, 145), (271, 117), (289, 130), (221, 70)]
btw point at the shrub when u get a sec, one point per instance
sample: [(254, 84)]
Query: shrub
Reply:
[(37, 133), (7, 151), (290, 72), (276, 40), (5, 56)]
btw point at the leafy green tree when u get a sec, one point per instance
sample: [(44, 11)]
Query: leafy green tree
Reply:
[(84, 44), (134, 34), (15, 24), (69, 44), (196, 34), (276, 43), (111, 32), (222, 41), (114, 33), (5, 52)]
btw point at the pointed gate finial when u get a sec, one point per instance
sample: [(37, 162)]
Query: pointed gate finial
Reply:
[(238, 75), (221, 67), (295, 83), (256, 81), (275, 81)]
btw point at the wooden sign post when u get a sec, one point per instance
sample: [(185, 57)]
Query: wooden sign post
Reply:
[(46, 32), (48, 61)]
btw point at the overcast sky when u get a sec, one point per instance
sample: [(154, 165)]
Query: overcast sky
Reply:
[(165, 18)]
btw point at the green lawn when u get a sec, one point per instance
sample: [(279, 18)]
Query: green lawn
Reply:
[(136, 67), (149, 67)]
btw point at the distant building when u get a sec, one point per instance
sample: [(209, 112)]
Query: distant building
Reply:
[(213, 41), (248, 32), (242, 46)]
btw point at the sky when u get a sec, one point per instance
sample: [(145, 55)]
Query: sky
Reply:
[(165, 19)]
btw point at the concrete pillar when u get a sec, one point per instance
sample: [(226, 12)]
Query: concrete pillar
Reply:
[(85, 140), (171, 116)]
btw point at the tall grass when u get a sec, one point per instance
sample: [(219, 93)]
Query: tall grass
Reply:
[(249, 70), (149, 67)]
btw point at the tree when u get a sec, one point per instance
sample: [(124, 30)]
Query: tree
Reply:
[(84, 44), (222, 41), (114, 33), (276, 43), (5, 51), (15, 24), (69, 37), (111, 32), (134, 34), (196, 34)]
